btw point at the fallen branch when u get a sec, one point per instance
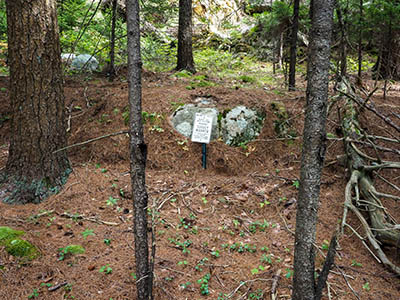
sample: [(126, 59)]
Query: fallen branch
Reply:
[(57, 286), (91, 219), (274, 286), (92, 140), (363, 103)]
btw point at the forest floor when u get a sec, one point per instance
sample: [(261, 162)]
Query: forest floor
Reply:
[(233, 220)]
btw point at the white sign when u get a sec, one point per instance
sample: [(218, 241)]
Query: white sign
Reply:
[(202, 128)]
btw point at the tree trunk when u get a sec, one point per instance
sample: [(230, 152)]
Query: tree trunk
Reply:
[(138, 153), (360, 33), (38, 128), (343, 43), (388, 64), (185, 50), (293, 46), (313, 150), (111, 68)]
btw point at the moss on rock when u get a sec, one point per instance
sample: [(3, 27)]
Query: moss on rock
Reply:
[(22, 248), (16, 246)]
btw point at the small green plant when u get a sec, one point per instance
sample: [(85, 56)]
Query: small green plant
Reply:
[(257, 295), (204, 200), (106, 269), (296, 184), (325, 245), (257, 270), (264, 203), (247, 79), (289, 273), (354, 263), (202, 262), (181, 245), (266, 258), (186, 285), (366, 286), (215, 253), (111, 201), (183, 263), (34, 294), (87, 232), (204, 284), (70, 250), (107, 242)]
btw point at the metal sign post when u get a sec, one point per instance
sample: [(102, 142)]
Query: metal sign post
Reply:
[(202, 134)]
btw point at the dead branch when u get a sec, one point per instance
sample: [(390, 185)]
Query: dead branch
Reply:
[(82, 217), (363, 103), (92, 140), (274, 286)]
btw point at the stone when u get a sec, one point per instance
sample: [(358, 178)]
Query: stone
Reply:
[(85, 62), (241, 125), (67, 58), (182, 119)]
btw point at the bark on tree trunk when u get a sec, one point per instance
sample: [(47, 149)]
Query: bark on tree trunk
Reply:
[(111, 68), (293, 46), (359, 73), (38, 125), (388, 64), (313, 150), (185, 49), (138, 153)]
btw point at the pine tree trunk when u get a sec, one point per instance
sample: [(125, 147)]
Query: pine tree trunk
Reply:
[(313, 150), (185, 50), (388, 64), (38, 126), (138, 153), (111, 67), (293, 46)]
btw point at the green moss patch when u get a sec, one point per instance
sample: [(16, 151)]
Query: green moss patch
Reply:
[(22, 248), (16, 246), (7, 234)]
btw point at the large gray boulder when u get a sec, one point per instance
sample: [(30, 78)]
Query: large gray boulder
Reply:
[(241, 125), (182, 119), (85, 62)]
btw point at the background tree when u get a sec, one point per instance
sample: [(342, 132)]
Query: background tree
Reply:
[(313, 152), (33, 169), (138, 153), (185, 49), (293, 46)]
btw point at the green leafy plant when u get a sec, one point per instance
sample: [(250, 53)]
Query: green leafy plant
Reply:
[(366, 286), (186, 285), (111, 201), (257, 270), (354, 263), (87, 232), (106, 269), (34, 294), (289, 273), (202, 262), (296, 184), (70, 250), (204, 289)]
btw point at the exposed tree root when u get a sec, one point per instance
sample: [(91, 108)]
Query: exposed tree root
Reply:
[(360, 190)]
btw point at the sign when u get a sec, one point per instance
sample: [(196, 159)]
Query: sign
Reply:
[(202, 128)]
